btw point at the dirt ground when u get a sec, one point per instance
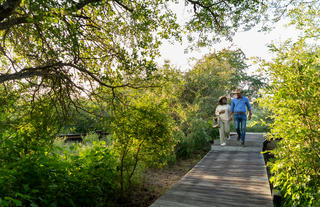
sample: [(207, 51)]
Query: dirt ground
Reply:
[(158, 181)]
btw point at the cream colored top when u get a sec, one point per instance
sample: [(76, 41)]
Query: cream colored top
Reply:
[(225, 115)]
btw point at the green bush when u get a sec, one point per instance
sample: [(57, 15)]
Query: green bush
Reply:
[(260, 120), (142, 137), (86, 177), (293, 99), (184, 147), (199, 134), (196, 137)]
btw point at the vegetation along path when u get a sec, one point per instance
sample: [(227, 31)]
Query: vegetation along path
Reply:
[(230, 175)]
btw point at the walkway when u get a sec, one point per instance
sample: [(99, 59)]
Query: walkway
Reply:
[(227, 176)]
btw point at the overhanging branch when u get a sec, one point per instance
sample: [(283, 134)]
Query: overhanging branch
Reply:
[(56, 70), (11, 22), (41, 71), (83, 3), (50, 71), (7, 8), (209, 9)]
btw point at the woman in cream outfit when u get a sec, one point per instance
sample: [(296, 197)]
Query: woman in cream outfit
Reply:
[(222, 112)]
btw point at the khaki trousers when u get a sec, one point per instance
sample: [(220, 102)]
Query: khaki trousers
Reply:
[(224, 130)]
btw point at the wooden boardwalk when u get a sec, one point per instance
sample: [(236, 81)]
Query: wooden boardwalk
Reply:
[(227, 176)]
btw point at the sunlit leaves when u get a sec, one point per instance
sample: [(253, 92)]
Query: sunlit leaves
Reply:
[(142, 135), (214, 75), (293, 100), (223, 17)]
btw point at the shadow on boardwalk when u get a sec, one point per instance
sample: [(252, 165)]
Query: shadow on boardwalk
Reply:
[(227, 176)]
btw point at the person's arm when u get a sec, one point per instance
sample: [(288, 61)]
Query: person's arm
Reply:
[(231, 111), (230, 115), (217, 111), (250, 114), (249, 109)]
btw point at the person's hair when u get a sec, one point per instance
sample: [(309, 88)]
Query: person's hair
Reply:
[(220, 100)]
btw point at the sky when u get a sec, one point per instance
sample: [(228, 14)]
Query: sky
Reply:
[(252, 43)]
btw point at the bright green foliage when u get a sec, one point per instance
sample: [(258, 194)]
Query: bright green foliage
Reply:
[(79, 176), (67, 48), (260, 120), (196, 137), (32, 171), (71, 47), (223, 17), (215, 75), (25, 125), (142, 136), (191, 132), (294, 100)]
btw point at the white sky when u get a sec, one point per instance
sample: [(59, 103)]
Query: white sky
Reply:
[(252, 43)]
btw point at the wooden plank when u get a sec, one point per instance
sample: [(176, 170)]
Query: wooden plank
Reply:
[(223, 177)]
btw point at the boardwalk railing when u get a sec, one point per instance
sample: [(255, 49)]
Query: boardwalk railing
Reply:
[(78, 137)]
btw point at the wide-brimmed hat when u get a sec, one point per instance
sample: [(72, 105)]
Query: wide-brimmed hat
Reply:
[(238, 90), (220, 98)]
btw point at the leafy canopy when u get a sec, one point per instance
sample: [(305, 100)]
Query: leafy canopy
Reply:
[(69, 47)]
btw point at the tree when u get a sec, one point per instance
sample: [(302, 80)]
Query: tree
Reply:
[(294, 104), (215, 75), (293, 100), (69, 47), (142, 136), (225, 18)]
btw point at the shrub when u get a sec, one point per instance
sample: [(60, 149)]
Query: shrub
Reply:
[(293, 98), (184, 147), (86, 177), (260, 120), (142, 137), (198, 134)]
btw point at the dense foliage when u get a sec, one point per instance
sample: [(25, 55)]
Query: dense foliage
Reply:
[(148, 128), (68, 48), (295, 105), (293, 99), (60, 176), (77, 66), (142, 136)]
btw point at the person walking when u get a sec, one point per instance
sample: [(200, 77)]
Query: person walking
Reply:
[(222, 112), (238, 108)]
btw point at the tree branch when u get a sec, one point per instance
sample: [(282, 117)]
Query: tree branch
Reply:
[(7, 8), (208, 8), (92, 75), (123, 6), (26, 73), (135, 163), (52, 71), (11, 22), (83, 3), (10, 5)]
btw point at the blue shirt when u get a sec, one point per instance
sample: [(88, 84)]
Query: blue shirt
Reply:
[(239, 105)]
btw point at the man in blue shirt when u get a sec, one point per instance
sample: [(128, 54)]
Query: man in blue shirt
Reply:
[(238, 108)]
